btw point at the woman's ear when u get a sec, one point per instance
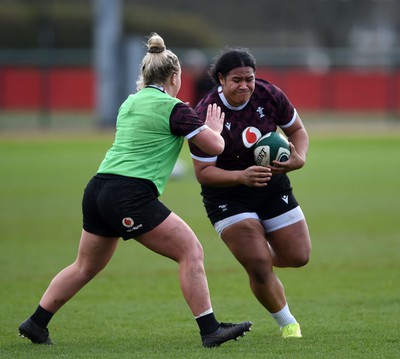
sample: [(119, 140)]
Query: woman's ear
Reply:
[(221, 78), (174, 79)]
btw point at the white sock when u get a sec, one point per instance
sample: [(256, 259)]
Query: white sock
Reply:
[(208, 311), (284, 317)]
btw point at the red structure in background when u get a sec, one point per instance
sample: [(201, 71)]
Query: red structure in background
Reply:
[(25, 88), (73, 89)]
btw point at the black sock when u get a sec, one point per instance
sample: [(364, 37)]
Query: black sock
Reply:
[(41, 317), (207, 324)]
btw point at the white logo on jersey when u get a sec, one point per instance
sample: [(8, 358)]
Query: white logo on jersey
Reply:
[(285, 199), (260, 111), (250, 136), (228, 125)]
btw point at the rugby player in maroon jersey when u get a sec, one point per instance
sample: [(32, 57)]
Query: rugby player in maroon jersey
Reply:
[(253, 208)]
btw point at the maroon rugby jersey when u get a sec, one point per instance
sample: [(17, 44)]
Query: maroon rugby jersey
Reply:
[(267, 108)]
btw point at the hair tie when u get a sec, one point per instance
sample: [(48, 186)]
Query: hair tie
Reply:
[(156, 50)]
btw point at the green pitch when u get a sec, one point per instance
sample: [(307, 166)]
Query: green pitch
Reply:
[(347, 298)]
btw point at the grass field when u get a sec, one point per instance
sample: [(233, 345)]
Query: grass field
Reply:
[(347, 298)]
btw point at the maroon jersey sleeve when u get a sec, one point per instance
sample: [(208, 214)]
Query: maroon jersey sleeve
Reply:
[(277, 106), (201, 110), (184, 121)]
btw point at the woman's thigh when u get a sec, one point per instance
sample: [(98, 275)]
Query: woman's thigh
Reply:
[(173, 238), (246, 240), (291, 245)]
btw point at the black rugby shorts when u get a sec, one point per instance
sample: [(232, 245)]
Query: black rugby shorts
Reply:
[(266, 207), (117, 206)]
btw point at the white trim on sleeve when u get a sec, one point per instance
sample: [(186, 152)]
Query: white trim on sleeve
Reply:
[(291, 121), (196, 132), (204, 159)]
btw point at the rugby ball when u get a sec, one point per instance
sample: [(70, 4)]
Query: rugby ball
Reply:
[(271, 147)]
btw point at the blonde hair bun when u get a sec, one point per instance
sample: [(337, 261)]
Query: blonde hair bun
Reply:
[(158, 64), (155, 44)]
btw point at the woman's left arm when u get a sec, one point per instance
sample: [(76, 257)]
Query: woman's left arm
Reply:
[(299, 142)]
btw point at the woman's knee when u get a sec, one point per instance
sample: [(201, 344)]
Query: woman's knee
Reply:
[(259, 269), (87, 270), (301, 254), (195, 252), (291, 246), (300, 259)]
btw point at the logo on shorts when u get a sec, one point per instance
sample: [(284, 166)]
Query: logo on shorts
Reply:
[(223, 207), (285, 199), (128, 222)]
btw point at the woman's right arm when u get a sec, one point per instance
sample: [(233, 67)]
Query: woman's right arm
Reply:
[(210, 140), (209, 175)]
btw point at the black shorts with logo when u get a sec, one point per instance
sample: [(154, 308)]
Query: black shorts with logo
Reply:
[(118, 206), (268, 202)]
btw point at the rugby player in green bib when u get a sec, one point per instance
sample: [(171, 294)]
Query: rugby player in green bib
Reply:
[(121, 200)]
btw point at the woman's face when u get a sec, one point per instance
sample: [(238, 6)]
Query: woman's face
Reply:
[(238, 85)]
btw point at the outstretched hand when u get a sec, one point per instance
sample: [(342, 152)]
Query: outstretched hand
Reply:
[(215, 118)]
